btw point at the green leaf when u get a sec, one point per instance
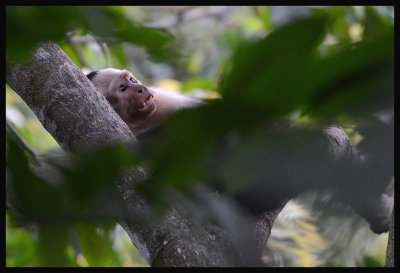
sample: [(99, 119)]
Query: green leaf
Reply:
[(374, 23), (338, 24), (26, 26), (20, 245), (270, 78), (158, 43), (195, 83), (118, 54), (37, 199), (369, 261), (356, 80), (96, 245), (93, 174), (263, 12), (265, 74), (52, 245)]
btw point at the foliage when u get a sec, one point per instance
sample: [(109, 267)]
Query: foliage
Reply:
[(262, 69), (324, 86), (63, 212), (107, 22)]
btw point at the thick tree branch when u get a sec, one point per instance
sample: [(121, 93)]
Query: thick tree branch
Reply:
[(78, 117), (390, 246), (65, 101), (376, 209)]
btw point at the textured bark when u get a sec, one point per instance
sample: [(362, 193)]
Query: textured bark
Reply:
[(390, 246), (376, 209), (65, 101), (78, 117), (378, 212), (264, 224)]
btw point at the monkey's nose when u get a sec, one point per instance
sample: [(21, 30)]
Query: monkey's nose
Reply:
[(139, 88)]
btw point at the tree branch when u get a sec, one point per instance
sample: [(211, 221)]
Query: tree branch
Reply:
[(78, 117), (376, 209), (66, 102), (390, 246)]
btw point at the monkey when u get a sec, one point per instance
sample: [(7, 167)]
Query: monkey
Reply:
[(142, 108)]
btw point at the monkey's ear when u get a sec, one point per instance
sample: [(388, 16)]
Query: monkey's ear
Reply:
[(91, 75)]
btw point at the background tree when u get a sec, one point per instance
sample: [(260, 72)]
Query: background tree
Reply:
[(329, 83)]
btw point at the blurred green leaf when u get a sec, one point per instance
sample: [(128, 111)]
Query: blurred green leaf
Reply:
[(176, 164), (20, 245), (369, 261), (355, 80), (263, 12), (93, 175), (260, 73), (27, 26), (232, 39), (320, 11), (269, 79), (52, 245), (338, 24), (119, 55), (86, 185), (71, 53), (374, 23), (37, 198), (198, 83), (96, 245), (158, 43)]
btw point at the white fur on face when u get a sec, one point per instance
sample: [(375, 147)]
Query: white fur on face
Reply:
[(105, 78), (166, 102)]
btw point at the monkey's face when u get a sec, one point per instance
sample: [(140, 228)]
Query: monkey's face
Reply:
[(129, 97)]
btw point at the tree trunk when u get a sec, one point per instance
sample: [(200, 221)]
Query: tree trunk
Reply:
[(78, 117)]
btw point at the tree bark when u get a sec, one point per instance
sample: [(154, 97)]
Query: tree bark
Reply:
[(390, 246), (375, 209)]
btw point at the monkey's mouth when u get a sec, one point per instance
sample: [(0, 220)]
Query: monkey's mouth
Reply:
[(148, 103)]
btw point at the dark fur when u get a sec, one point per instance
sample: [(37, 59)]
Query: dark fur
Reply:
[(91, 75)]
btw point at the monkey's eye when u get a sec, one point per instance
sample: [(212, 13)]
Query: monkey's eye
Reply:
[(122, 88), (132, 80)]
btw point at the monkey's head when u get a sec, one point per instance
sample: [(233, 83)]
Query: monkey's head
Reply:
[(128, 96)]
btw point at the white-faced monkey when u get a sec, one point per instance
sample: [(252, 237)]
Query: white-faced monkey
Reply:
[(141, 107)]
